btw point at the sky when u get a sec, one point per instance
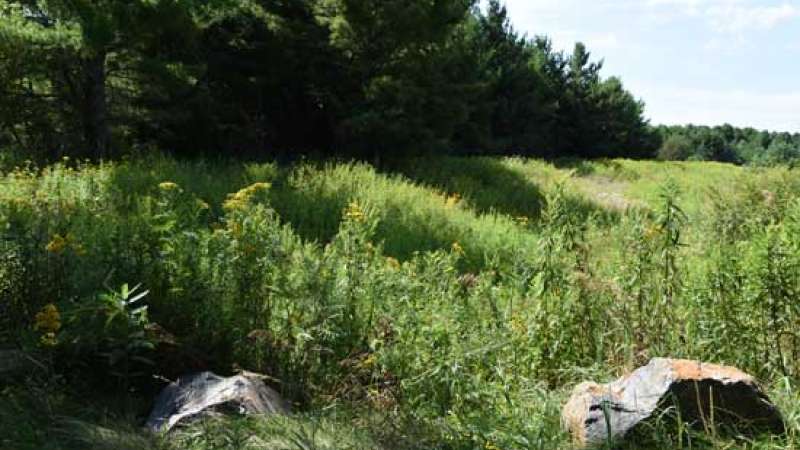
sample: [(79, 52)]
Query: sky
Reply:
[(692, 61)]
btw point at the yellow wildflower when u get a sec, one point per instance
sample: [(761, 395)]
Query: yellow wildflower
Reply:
[(355, 213), (393, 262), (452, 200), (48, 340), (652, 232), (57, 244), (519, 326), (491, 446), (368, 361), (48, 320), (233, 204), (168, 186), (240, 199), (457, 248)]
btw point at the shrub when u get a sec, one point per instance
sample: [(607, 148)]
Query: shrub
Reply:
[(676, 148)]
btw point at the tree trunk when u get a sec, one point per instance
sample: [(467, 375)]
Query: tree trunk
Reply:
[(95, 115)]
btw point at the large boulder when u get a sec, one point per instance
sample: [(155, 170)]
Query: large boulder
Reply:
[(206, 393), (700, 393)]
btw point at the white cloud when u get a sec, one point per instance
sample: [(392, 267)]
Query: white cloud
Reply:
[(690, 7), (603, 41), (562, 21), (732, 16), (739, 18)]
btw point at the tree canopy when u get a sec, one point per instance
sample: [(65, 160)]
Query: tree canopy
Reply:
[(728, 144), (371, 79)]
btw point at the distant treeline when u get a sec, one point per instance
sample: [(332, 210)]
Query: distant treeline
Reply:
[(728, 144), (374, 79)]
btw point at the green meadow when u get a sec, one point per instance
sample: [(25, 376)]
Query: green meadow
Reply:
[(447, 303)]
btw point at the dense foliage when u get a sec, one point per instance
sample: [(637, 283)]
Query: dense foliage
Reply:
[(728, 144), (372, 79), (452, 316)]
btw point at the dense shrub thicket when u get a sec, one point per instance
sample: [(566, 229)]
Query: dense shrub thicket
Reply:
[(114, 273)]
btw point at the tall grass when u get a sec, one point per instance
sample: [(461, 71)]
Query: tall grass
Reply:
[(422, 310)]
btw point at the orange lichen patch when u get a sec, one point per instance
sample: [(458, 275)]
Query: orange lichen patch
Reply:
[(596, 389), (693, 370)]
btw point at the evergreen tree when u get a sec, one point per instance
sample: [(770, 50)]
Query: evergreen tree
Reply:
[(522, 106), (88, 40), (375, 79), (398, 53)]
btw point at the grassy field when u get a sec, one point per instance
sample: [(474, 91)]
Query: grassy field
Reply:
[(449, 304)]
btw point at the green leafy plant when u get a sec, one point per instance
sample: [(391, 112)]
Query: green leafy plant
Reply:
[(126, 332)]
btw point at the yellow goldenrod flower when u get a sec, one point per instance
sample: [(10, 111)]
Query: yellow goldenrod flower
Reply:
[(48, 320), (233, 204), (355, 213), (57, 244), (491, 446), (369, 361), (48, 340), (652, 232), (452, 200), (241, 199), (168, 186), (519, 327)]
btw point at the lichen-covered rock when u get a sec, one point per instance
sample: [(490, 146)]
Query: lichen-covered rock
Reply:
[(205, 393), (596, 414)]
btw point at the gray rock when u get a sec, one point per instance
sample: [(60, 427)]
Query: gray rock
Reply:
[(597, 414), (206, 393)]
